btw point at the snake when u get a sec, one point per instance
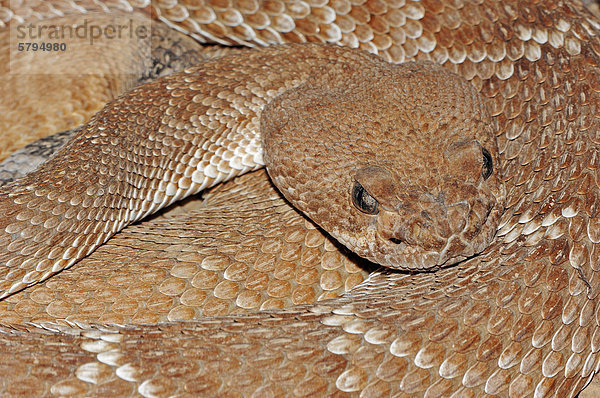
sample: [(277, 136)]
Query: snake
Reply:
[(440, 187)]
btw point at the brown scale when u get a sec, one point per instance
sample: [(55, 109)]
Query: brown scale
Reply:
[(517, 319), (206, 270), (142, 164)]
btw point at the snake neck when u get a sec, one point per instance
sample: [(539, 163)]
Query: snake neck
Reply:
[(152, 146)]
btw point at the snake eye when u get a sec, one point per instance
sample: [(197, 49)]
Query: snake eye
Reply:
[(363, 201), (488, 165)]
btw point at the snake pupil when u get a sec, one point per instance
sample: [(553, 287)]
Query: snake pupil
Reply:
[(363, 200), (488, 165)]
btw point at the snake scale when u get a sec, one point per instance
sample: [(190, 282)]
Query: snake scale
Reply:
[(519, 318)]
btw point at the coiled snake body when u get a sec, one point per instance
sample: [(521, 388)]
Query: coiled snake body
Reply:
[(516, 316)]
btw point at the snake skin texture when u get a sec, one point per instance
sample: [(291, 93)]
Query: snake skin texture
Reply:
[(519, 319)]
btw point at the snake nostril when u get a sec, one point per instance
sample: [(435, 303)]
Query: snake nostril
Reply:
[(396, 240)]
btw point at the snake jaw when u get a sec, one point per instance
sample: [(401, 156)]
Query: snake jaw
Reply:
[(419, 228), (412, 245)]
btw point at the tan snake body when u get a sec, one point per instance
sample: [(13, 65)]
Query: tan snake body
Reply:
[(520, 319)]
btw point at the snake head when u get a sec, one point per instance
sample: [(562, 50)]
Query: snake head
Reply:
[(397, 162)]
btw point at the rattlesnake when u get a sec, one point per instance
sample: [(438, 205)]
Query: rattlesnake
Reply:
[(517, 318)]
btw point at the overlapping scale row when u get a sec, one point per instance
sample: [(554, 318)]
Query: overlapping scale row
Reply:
[(165, 274), (25, 10), (518, 320), (147, 149), (387, 28), (537, 67)]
